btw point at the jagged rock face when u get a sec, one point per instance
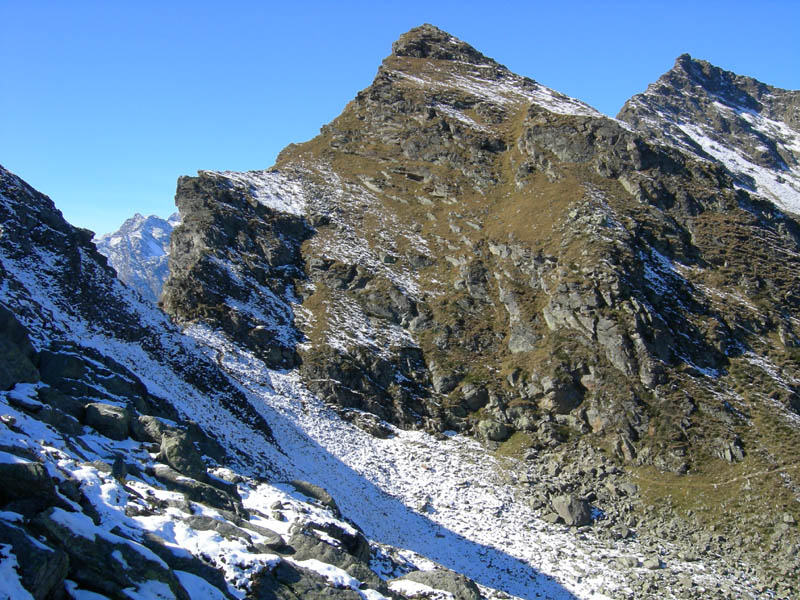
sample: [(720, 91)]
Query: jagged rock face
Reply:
[(138, 252), (483, 254), (83, 322), (108, 487), (750, 127), (468, 229), (235, 261)]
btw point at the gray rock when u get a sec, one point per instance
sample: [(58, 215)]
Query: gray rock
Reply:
[(17, 355), (652, 563), (198, 491), (110, 421), (146, 428), (178, 451), (575, 511), (181, 560), (26, 487), (42, 569), (444, 383), (627, 562), (289, 582), (493, 430), (93, 561), (307, 544), (224, 528), (475, 397), (460, 586), (317, 493)]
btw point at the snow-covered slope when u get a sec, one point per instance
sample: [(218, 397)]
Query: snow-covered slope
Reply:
[(751, 128), (139, 252)]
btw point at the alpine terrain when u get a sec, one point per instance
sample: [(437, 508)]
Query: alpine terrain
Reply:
[(138, 251), (474, 340)]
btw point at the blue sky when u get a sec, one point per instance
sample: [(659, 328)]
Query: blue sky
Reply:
[(104, 104)]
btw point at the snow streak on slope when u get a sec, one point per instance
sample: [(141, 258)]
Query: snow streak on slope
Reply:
[(781, 187), (270, 188), (510, 90)]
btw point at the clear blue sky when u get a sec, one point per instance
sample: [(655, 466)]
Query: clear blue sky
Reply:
[(104, 104)]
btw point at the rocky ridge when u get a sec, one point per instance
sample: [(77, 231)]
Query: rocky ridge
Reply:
[(462, 256), (138, 252), (131, 464), (750, 127), (481, 254)]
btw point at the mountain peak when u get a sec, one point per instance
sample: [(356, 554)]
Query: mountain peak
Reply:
[(428, 41)]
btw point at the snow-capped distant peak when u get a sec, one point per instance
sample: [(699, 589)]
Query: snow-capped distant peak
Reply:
[(138, 251)]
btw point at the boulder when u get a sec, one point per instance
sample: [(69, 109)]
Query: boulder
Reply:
[(224, 528), (42, 569), (26, 486), (198, 491), (493, 430), (102, 561), (317, 493), (182, 560), (178, 451), (146, 428), (109, 420), (461, 587), (475, 397), (444, 383), (290, 582), (575, 511), (308, 544)]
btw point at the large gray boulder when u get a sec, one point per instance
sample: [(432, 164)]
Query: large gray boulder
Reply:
[(575, 511), (178, 451), (460, 586), (109, 420)]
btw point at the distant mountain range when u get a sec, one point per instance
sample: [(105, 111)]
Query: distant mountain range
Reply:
[(138, 251)]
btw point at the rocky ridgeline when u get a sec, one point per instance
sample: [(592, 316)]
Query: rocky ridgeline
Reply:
[(750, 127), (109, 488), (464, 249), (138, 252)]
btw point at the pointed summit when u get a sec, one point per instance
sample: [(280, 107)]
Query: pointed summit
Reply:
[(748, 126), (731, 88), (428, 41)]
